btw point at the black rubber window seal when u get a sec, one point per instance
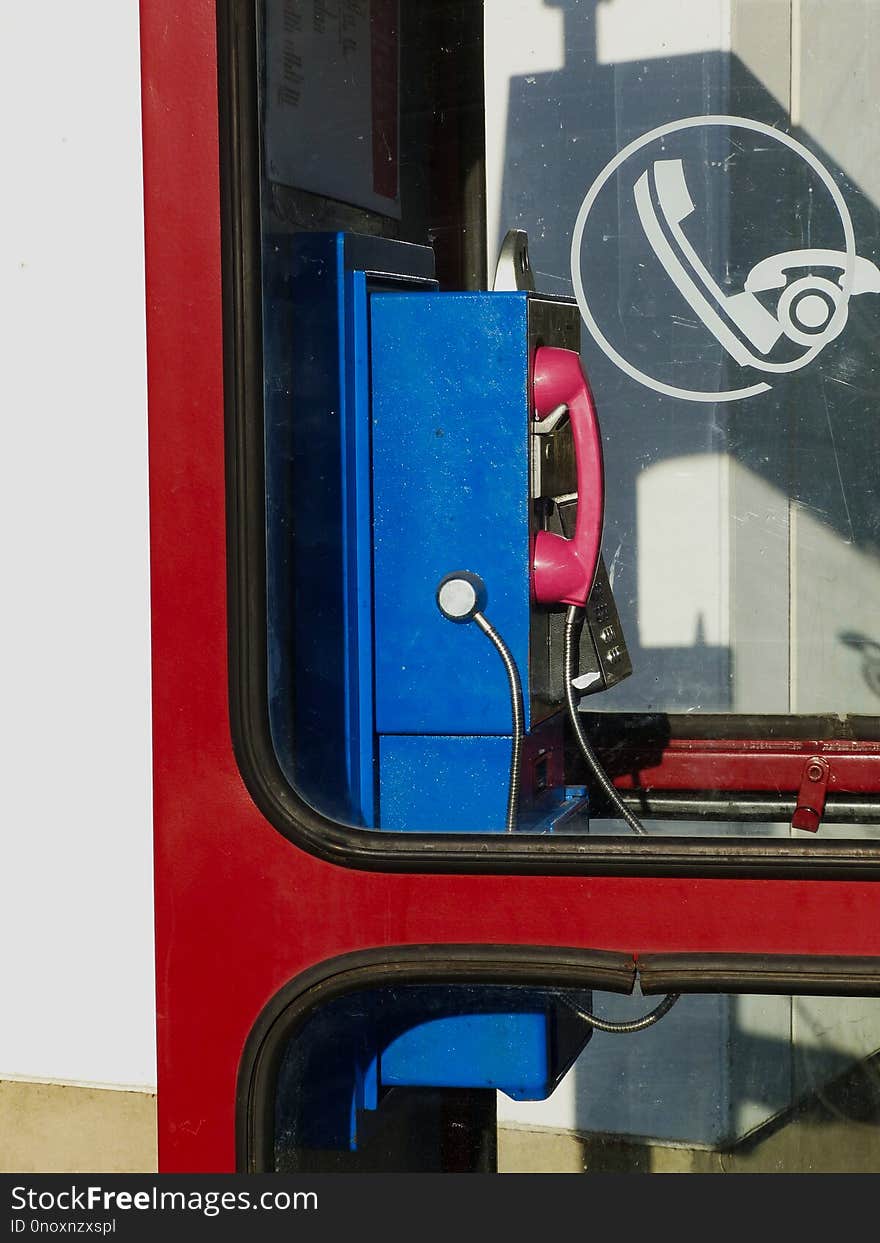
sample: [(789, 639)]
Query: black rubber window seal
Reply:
[(553, 968)]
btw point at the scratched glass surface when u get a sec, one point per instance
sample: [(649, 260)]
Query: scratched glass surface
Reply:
[(702, 176), (720, 1084), (743, 535)]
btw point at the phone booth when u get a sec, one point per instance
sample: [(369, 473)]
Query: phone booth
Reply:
[(514, 579)]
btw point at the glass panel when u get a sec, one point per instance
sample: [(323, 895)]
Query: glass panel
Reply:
[(726, 272), (697, 187), (508, 1078)]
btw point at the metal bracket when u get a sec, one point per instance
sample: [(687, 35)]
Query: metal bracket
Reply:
[(811, 796), (514, 270), (554, 472)]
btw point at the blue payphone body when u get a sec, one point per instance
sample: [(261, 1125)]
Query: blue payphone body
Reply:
[(452, 477), (361, 1048), (318, 435), (412, 444)]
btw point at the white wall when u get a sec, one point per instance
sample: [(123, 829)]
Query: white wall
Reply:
[(75, 881)]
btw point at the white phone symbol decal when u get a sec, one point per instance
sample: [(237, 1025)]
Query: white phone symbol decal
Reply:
[(811, 311)]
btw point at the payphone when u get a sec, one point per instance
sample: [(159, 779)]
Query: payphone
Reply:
[(448, 467)]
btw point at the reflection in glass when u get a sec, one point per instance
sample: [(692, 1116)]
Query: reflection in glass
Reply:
[(467, 1078), (742, 536)]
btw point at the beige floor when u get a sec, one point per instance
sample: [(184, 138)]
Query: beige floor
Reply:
[(836, 1130), (51, 1128), (838, 1147)]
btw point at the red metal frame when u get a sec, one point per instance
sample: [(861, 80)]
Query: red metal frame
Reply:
[(239, 910), (750, 764)]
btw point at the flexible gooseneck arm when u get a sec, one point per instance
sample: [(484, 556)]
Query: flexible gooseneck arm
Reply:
[(461, 597)]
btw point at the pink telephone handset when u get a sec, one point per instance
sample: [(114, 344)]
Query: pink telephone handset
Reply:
[(563, 569)]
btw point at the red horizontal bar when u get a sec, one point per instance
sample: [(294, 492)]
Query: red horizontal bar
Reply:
[(716, 764)]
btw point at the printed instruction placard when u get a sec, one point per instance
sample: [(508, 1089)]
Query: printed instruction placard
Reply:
[(332, 110)]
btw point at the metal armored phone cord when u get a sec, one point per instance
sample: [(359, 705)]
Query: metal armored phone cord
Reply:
[(628, 1028), (574, 624), (461, 598), (517, 712)]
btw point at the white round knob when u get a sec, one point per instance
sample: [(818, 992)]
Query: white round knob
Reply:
[(460, 596)]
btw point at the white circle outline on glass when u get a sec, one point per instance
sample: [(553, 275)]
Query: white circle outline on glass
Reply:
[(674, 127)]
